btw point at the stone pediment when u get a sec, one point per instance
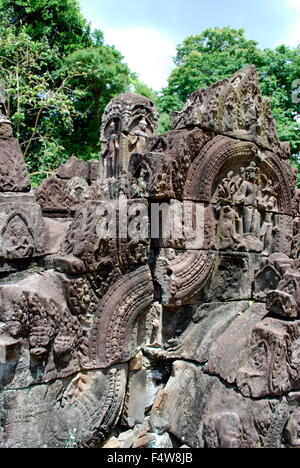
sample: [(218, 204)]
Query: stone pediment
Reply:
[(232, 107)]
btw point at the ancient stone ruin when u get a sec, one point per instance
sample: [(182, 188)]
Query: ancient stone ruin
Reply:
[(151, 299)]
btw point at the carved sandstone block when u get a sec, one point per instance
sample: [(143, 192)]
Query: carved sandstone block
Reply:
[(227, 354), (77, 412), (22, 230), (13, 170)]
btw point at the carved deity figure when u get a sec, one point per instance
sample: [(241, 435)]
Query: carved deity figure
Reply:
[(7, 175), (266, 233)]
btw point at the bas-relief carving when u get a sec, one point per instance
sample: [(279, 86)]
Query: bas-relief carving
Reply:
[(67, 335), (127, 124)]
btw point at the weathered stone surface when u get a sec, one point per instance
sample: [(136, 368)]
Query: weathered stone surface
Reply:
[(47, 336), (232, 107), (232, 276), (69, 413), (56, 228), (116, 334), (182, 275), (202, 412), (208, 323), (161, 172), (271, 272), (59, 197), (111, 443), (285, 299), (227, 354), (272, 363), (22, 230), (111, 318), (108, 234), (186, 225), (73, 167), (136, 362), (127, 123)]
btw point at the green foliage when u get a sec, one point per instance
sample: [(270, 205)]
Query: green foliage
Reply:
[(204, 59), (218, 53), (60, 22)]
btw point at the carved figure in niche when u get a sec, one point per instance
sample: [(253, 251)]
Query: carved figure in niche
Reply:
[(226, 188), (112, 152), (251, 106), (137, 141), (154, 325), (267, 191), (79, 190), (292, 429), (239, 178), (229, 186), (230, 230), (17, 238), (247, 197), (230, 119), (254, 199), (296, 238)]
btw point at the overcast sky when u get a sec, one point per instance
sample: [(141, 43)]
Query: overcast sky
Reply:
[(146, 32)]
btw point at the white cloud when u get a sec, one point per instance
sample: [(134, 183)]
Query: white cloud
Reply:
[(147, 51)]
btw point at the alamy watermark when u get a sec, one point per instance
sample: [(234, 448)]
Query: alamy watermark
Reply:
[(172, 222)]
